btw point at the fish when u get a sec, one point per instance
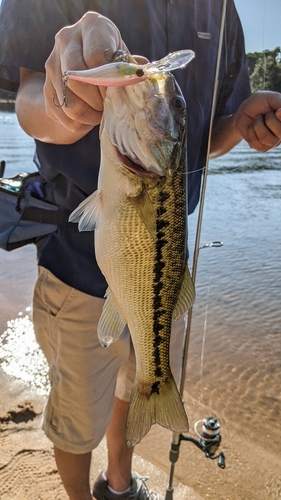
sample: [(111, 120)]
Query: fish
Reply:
[(139, 215)]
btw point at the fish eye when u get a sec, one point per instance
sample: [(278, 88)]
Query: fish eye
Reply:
[(178, 102)]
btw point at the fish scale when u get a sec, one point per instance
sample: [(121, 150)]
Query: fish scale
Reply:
[(140, 240)]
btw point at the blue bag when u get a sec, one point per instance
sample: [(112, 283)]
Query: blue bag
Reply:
[(24, 214)]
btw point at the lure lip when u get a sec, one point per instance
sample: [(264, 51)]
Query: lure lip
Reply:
[(174, 60)]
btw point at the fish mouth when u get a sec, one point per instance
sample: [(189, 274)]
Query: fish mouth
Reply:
[(135, 168)]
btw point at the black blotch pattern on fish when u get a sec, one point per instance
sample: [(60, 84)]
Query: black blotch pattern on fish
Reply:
[(167, 278), (158, 285), (158, 372), (155, 388)]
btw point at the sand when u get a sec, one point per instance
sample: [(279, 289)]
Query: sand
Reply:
[(238, 381), (27, 466), (28, 470)]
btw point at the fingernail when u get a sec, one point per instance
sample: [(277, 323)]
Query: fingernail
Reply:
[(278, 113)]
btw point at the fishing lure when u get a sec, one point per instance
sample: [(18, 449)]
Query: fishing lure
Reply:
[(121, 73)]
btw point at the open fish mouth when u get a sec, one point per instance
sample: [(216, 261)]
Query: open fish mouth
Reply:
[(135, 168)]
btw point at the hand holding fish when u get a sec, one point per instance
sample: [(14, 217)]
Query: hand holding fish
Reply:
[(89, 43), (258, 120)]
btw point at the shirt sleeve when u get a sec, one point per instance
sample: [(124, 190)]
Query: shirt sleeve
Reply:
[(234, 86), (27, 34)]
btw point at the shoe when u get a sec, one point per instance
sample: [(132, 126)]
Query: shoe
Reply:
[(139, 490)]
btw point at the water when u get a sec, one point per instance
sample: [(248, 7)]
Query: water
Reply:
[(16, 148), (234, 361)]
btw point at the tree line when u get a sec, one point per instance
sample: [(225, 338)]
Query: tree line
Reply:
[(264, 70)]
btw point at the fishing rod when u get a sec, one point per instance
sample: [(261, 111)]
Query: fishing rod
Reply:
[(209, 436)]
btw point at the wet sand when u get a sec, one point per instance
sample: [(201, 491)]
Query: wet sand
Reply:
[(27, 466), (28, 470), (242, 391)]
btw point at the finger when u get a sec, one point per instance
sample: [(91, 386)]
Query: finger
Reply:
[(250, 134), (101, 39), (254, 141), (89, 43), (71, 111), (141, 59), (274, 125), (263, 133), (82, 103), (89, 94)]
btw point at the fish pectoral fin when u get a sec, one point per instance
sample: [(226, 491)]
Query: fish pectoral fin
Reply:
[(86, 214), (111, 324), (145, 209), (147, 406), (186, 296)]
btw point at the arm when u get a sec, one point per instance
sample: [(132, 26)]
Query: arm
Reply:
[(257, 120), (86, 44)]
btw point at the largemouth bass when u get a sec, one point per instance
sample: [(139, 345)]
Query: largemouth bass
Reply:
[(139, 217)]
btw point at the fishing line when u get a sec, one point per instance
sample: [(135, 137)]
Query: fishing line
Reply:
[(176, 437), (242, 166), (204, 337), (263, 43)]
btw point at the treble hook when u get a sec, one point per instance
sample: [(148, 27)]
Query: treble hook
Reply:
[(65, 100), (119, 55)]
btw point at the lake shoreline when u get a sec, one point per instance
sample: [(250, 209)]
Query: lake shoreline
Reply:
[(7, 105)]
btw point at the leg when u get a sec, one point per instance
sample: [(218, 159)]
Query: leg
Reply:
[(74, 473), (119, 455), (82, 374)]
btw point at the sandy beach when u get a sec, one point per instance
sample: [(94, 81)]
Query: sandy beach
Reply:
[(28, 470), (27, 466), (244, 398)]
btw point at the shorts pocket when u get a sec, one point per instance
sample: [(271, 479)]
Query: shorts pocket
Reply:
[(54, 294)]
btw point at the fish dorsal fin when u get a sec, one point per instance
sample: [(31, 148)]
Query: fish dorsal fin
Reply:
[(86, 214), (144, 207), (186, 296), (111, 324)]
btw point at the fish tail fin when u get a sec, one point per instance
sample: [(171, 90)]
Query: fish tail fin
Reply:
[(150, 404)]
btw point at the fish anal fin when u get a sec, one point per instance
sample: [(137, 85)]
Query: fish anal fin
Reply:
[(86, 214), (111, 324), (186, 296), (147, 406), (145, 209)]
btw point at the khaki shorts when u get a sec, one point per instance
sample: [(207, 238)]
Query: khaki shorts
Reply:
[(84, 376)]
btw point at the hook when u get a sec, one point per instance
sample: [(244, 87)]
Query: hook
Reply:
[(119, 55), (65, 100)]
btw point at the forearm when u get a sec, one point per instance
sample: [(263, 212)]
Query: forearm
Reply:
[(224, 136), (33, 118)]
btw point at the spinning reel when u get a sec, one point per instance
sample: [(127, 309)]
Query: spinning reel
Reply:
[(209, 439)]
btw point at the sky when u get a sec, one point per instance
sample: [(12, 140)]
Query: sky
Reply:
[(261, 21)]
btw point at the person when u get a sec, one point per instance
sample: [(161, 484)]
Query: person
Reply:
[(40, 40)]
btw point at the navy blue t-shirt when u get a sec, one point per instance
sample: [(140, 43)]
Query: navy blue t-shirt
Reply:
[(149, 28)]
